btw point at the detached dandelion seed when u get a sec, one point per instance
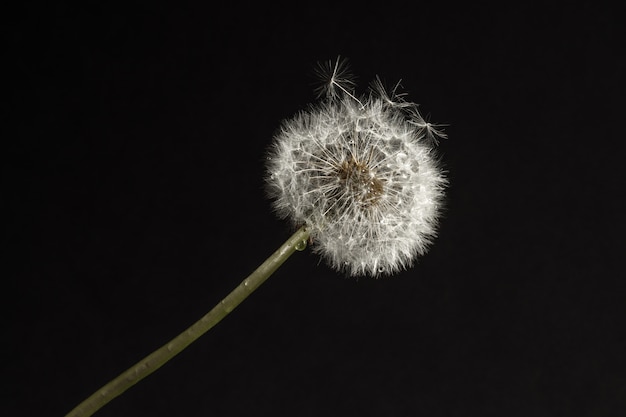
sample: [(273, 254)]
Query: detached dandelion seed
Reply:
[(361, 174)]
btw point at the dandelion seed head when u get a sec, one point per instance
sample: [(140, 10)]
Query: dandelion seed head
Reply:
[(362, 174)]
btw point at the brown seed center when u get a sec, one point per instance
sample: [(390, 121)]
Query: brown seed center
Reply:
[(360, 182)]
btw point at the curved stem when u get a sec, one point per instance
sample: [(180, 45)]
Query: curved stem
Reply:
[(159, 357)]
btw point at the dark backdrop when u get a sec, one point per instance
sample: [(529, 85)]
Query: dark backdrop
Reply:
[(133, 195)]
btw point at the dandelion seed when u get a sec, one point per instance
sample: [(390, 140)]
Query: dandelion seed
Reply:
[(335, 78), (361, 173)]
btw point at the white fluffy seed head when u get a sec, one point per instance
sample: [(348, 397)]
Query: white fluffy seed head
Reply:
[(361, 173)]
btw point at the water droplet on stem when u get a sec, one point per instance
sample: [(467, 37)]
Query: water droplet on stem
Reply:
[(300, 246)]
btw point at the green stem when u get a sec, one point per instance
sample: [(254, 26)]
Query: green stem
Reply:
[(159, 357)]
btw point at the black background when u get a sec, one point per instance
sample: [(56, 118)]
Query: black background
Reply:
[(132, 186)]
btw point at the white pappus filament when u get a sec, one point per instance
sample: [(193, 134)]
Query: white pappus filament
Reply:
[(361, 172)]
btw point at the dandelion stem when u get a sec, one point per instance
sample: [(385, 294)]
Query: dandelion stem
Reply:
[(159, 357)]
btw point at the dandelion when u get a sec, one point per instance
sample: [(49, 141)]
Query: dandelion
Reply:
[(361, 173), (357, 175)]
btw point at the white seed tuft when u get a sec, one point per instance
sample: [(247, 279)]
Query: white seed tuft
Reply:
[(361, 172), (335, 78)]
